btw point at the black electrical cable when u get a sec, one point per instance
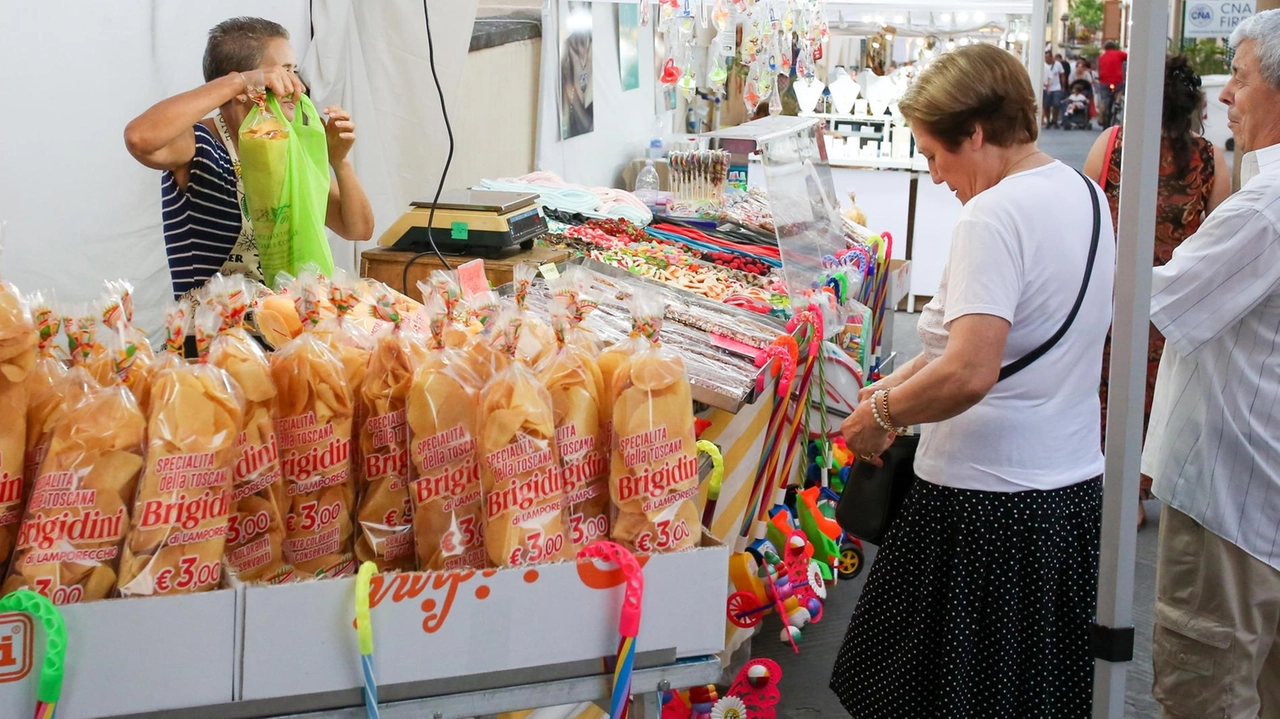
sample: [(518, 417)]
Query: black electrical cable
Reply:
[(431, 217)]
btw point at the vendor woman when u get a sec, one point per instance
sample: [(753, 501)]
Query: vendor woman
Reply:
[(206, 229)]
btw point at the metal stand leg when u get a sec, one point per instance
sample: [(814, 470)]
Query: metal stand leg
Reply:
[(646, 706)]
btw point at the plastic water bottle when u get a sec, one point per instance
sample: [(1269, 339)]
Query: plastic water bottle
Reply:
[(657, 146), (647, 178)]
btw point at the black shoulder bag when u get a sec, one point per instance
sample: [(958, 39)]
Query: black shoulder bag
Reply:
[(873, 495)]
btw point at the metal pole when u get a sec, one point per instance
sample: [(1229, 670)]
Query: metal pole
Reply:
[(1035, 52), (1139, 172)]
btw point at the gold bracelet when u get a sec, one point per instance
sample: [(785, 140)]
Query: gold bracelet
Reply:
[(888, 418), (875, 412)]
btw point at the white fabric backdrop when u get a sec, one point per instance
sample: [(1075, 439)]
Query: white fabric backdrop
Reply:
[(81, 210), (624, 121), (372, 58)]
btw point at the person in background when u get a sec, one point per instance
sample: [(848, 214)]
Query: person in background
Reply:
[(980, 601), (1052, 91), (1075, 108), (1214, 444), (1083, 71), (1194, 180), (1064, 72), (1111, 69), (193, 138)]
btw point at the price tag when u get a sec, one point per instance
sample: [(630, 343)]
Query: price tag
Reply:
[(549, 271), (459, 231), (472, 278)]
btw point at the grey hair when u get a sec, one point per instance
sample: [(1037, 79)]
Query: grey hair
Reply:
[(1264, 30), (236, 45)]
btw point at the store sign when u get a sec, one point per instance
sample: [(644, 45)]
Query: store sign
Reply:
[(1215, 18), (16, 631)]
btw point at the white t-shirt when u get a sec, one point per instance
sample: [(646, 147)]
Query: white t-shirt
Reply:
[(1052, 80), (1018, 252)]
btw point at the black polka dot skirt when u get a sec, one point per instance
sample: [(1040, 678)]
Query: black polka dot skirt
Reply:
[(978, 606)]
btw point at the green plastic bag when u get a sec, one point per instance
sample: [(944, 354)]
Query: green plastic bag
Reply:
[(285, 170)]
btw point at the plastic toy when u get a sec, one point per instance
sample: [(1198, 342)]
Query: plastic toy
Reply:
[(628, 621), (815, 508), (364, 630), (49, 689), (702, 700), (793, 587), (756, 689)]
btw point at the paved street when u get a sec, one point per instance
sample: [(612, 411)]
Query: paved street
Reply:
[(804, 683)]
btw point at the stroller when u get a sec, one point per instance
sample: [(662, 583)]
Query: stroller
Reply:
[(1076, 115)]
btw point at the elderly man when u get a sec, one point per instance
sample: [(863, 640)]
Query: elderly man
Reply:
[(1214, 442)]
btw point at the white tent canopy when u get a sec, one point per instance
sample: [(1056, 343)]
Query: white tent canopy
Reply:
[(940, 7)]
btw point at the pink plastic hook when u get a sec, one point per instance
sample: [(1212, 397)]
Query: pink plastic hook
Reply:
[(629, 621), (776, 360), (811, 316)]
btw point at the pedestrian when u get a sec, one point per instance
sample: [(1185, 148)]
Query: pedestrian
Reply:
[(1111, 72), (1194, 179), (1064, 72), (1082, 71), (1052, 91), (1214, 442), (980, 601)]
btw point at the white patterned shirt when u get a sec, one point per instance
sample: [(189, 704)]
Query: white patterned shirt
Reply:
[(1213, 444)]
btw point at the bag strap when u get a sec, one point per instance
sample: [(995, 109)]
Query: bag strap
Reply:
[(1106, 160), (1022, 363)]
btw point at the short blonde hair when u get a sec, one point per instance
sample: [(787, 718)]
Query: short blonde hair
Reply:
[(974, 85)]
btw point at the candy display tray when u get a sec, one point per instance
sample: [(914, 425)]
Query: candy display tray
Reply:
[(271, 651), (740, 365)]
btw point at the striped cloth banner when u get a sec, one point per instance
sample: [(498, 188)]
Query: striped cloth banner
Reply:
[(741, 440)]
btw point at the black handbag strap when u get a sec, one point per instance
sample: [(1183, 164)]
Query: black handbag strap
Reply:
[(1023, 362)]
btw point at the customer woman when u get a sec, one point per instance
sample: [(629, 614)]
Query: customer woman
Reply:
[(1083, 72), (980, 600), (1194, 179), (193, 138)]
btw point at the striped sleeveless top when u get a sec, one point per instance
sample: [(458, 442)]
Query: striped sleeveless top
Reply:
[(201, 225)]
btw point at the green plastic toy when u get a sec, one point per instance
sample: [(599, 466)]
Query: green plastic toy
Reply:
[(50, 688)]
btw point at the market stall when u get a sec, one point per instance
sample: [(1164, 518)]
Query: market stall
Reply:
[(441, 489), (870, 149)]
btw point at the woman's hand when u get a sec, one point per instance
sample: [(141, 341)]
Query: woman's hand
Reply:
[(889, 382), (340, 133), (281, 81), (864, 436), (904, 373)]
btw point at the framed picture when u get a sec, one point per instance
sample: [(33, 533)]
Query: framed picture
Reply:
[(577, 111), (628, 17)]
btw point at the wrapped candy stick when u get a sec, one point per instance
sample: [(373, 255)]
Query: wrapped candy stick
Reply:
[(628, 621), (49, 690), (364, 630)]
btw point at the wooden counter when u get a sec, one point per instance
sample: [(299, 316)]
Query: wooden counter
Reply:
[(387, 265)]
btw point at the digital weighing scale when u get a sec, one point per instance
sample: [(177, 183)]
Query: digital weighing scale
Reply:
[(469, 222)]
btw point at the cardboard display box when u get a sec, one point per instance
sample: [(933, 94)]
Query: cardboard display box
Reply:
[(265, 651), (128, 656), (430, 630)]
